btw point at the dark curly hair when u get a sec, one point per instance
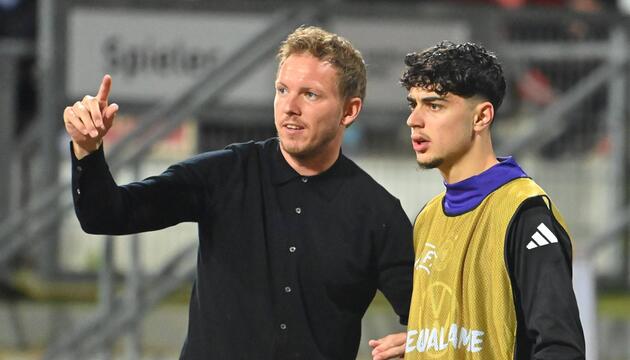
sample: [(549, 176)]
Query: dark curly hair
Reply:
[(462, 69)]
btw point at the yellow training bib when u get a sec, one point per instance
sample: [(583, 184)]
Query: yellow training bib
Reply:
[(462, 305)]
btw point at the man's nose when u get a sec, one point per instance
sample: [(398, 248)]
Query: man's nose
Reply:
[(291, 104), (415, 119)]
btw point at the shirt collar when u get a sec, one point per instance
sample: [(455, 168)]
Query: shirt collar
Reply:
[(327, 183), (467, 194), (281, 171)]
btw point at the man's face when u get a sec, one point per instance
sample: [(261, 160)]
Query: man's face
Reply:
[(308, 109), (441, 127)]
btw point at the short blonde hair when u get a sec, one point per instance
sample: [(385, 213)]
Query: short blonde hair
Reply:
[(332, 48)]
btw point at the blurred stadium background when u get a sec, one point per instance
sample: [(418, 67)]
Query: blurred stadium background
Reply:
[(197, 75)]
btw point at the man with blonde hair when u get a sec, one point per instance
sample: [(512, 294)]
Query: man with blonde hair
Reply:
[(294, 238)]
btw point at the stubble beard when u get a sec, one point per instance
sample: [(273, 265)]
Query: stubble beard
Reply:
[(306, 151), (431, 164)]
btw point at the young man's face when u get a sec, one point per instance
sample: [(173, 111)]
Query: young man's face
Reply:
[(308, 108), (441, 127)]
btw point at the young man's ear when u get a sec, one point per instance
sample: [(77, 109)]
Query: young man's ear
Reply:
[(351, 111), (484, 115)]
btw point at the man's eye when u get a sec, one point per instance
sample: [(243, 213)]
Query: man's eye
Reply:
[(435, 106), (412, 106), (310, 95), (281, 90)]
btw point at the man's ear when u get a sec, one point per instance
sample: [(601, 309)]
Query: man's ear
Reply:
[(484, 115), (351, 110)]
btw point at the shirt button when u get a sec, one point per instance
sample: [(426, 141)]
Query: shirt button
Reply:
[(79, 168), (292, 249), (78, 191), (283, 326), (298, 210), (304, 179), (287, 289)]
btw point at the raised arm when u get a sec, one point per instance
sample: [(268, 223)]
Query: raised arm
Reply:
[(103, 207)]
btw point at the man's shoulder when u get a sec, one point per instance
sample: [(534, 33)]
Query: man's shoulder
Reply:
[(365, 185), (236, 151), (232, 157), (521, 188), (253, 146)]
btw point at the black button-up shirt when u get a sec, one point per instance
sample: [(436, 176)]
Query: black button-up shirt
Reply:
[(287, 264)]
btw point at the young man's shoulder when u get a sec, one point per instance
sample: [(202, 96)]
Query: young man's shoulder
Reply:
[(522, 185)]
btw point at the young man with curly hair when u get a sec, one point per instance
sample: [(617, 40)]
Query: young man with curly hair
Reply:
[(294, 238), (492, 275)]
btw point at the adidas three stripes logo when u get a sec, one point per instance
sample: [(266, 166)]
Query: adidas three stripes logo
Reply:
[(543, 236)]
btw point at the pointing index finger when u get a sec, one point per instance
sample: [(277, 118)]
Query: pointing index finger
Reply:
[(103, 91)]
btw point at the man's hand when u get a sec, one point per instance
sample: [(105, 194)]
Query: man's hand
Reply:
[(390, 347), (88, 120)]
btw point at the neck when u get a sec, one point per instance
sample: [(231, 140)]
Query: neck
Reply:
[(479, 158), (465, 195)]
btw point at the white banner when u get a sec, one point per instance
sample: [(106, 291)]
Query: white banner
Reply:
[(153, 54), (150, 54)]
